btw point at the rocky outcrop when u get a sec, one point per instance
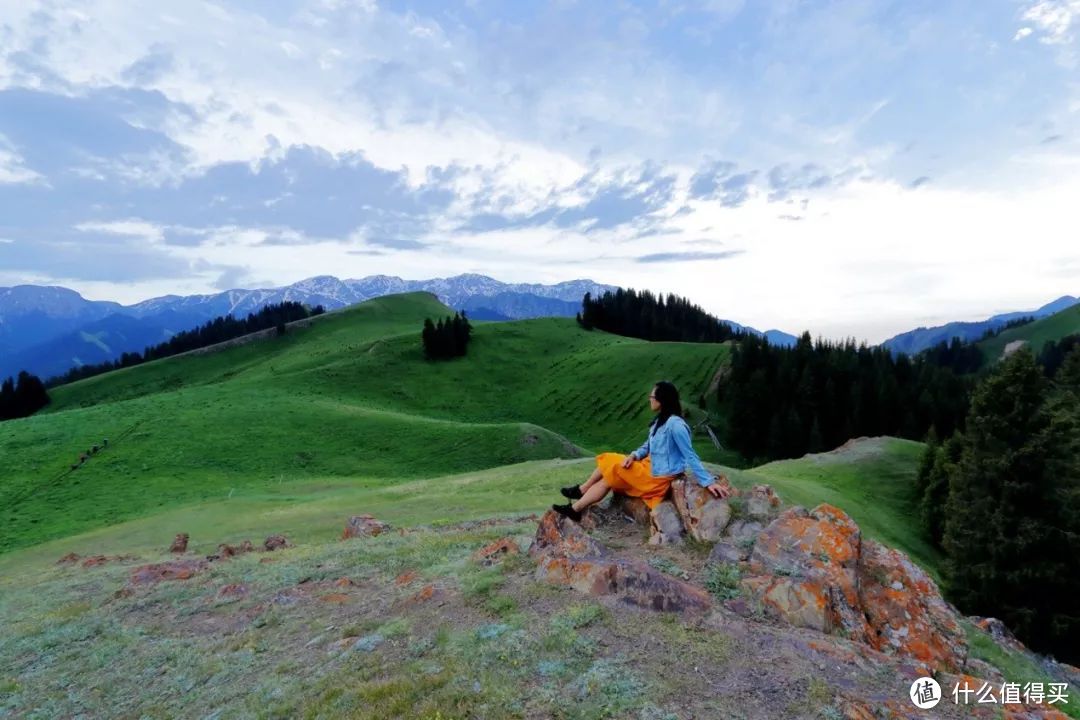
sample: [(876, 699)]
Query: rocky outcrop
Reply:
[(813, 569), (566, 555), (364, 526), (906, 610)]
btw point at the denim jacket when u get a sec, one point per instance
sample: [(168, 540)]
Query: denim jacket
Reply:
[(672, 452)]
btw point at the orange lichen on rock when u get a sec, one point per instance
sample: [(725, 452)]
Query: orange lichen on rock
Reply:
[(406, 577), (906, 609), (174, 570), (566, 555), (364, 526), (496, 551), (335, 598)]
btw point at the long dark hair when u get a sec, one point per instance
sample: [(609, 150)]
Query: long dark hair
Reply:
[(668, 397)]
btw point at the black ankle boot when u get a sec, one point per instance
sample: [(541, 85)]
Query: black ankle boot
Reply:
[(567, 510), (573, 492)]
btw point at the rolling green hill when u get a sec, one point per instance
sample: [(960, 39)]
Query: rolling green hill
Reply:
[(348, 399), (1035, 334), (292, 434)]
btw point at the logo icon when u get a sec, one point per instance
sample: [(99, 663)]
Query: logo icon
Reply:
[(925, 693)]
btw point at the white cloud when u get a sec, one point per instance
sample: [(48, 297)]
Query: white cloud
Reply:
[(1054, 18), (519, 125), (148, 231), (869, 260), (12, 168), (1056, 22)]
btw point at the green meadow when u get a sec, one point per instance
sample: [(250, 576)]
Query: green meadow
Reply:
[(347, 401), (1035, 334), (292, 434)]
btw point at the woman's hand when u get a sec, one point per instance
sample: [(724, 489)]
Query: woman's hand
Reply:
[(717, 490), (628, 461)]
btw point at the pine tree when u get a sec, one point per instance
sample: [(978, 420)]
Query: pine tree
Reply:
[(427, 336), (934, 497), (7, 399), (1010, 540)]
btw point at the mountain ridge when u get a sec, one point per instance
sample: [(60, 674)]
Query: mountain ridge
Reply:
[(921, 338), (49, 335)]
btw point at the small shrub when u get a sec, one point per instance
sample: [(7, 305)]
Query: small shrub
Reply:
[(578, 616), (395, 628), (723, 581), (501, 605), (666, 565)]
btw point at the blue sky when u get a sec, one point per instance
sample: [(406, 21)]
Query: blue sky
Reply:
[(852, 168)]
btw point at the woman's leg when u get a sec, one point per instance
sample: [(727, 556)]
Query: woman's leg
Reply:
[(595, 494), (596, 475)]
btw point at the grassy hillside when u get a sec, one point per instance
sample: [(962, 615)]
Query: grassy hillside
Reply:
[(870, 479), (1035, 334), (347, 399)]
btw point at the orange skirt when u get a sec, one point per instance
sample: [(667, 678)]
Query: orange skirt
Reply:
[(636, 481)]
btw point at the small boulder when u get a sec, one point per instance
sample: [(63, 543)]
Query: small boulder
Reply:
[(567, 556), (762, 502), (95, 561), (726, 553), (743, 532), (406, 577), (999, 632), (69, 559), (494, 552), (227, 551), (666, 527), (179, 543), (364, 526), (232, 591), (424, 594), (174, 570), (704, 516), (276, 542)]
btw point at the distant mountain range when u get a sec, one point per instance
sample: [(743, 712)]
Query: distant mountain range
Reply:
[(915, 341), (48, 330)]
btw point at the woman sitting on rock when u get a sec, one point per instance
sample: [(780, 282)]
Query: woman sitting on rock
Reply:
[(648, 471)]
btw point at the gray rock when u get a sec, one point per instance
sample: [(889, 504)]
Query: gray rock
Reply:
[(704, 516), (667, 526), (725, 552)]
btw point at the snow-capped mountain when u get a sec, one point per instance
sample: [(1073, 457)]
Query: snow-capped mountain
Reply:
[(46, 328), (30, 314), (461, 292)]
